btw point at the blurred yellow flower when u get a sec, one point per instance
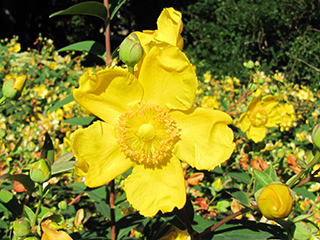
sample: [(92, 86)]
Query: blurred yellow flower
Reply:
[(278, 76), (305, 94), (260, 114), (41, 90), (210, 102), (287, 115), (207, 77), (15, 48), (148, 122)]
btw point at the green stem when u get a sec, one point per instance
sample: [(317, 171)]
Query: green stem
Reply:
[(2, 100), (131, 69), (39, 206)]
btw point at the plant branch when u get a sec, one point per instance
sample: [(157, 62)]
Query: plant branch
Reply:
[(107, 36), (112, 211)]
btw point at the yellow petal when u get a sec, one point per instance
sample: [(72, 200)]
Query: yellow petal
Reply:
[(257, 134), (168, 78), (269, 102), (170, 27), (50, 233), (153, 189), (108, 92), (206, 140), (98, 155), (274, 118), (244, 122)]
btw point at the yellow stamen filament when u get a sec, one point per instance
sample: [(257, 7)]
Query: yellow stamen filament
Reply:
[(147, 133)]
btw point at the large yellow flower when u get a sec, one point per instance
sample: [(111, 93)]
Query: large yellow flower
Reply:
[(148, 123), (260, 114)]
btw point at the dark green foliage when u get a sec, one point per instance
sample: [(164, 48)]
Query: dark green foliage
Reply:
[(283, 35)]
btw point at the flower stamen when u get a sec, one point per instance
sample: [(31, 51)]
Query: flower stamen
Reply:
[(146, 133)]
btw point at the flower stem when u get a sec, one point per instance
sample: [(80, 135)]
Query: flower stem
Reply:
[(34, 221), (2, 100), (112, 211), (107, 36), (223, 221)]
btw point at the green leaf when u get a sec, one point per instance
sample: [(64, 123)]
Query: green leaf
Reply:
[(115, 7), (91, 8), (25, 180), (61, 103), (263, 178), (87, 46), (241, 176), (3, 224), (241, 197), (62, 167), (64, 158), (97, 194), (11, 202), (104, 209), (83, 121), (125, 224), (48, 149), (245, 230), (29, 213), (272, 173)]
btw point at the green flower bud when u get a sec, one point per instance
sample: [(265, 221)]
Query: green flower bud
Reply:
[(63, 205), (21, 227), (131, 51), (275, 201), (40, 171), (315, 135), (12, 88), (249, 64)]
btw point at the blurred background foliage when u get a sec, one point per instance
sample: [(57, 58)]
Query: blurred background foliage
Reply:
[(219, 35)]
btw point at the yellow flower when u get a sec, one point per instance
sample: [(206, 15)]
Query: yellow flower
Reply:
[(15, 48), (148, 123), (287, 115), (175, 233), (210, 102), (260, 114), (169, 29), (207, 77)]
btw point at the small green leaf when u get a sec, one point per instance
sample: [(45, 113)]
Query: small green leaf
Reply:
[(91, 8), (25, 180), (61, 103), (125, 224), (48, 149), (241, 197), (115, 7), (241, 176), (83, 121), (263, 178), (29, 213), (87, 46), (62, 167), (97, 194), (272, 173), (64, 158)]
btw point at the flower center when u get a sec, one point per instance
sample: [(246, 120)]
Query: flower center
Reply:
[(146, 133), (258, 117)]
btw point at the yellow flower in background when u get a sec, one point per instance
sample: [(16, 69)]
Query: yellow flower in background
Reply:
[(207, 77), (210, 102), (51, 231), (260, 114), (278, 76), (41, 90), (287, 115), (149, 123), (305, 94), (15, 48)]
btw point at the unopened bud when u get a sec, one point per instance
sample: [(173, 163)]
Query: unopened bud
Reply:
[(249, 64), (131, 51), (275, 201), (315, 135), (217, 185), (12, 87), (63, 205), (21, 227), (40, 171)]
